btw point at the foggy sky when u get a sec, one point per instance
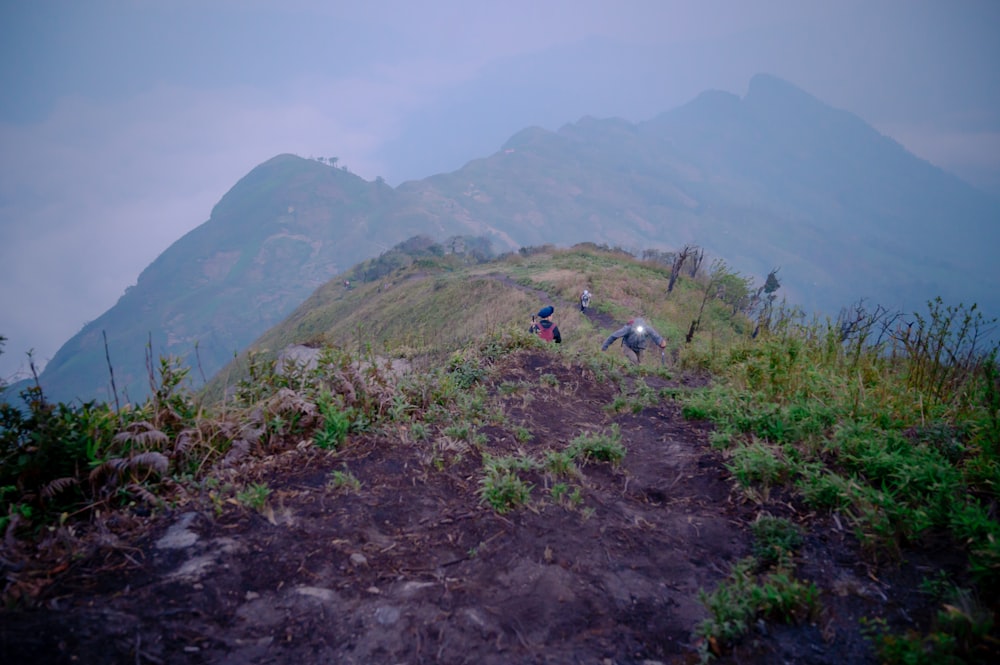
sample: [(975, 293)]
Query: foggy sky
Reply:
[(123, 122)]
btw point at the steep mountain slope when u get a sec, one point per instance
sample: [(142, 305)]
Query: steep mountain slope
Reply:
[(280, 232), (772, 179), (862, 216), (426, 310), (776, 178)]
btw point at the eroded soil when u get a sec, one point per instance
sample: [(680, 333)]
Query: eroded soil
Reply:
[(414, 568)]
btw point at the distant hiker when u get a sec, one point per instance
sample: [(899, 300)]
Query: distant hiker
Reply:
[(347, 283), (634, 335), (544, 327), (584, 300)]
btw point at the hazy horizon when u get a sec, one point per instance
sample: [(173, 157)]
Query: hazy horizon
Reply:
[(124, 122)]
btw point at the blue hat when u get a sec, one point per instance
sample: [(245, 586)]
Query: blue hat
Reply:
[(546, 311)]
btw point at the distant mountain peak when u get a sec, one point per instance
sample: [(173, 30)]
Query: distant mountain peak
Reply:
[(764, 82), (715, 101), (526, 137), (774, 177), (708, 107), (770, 91)]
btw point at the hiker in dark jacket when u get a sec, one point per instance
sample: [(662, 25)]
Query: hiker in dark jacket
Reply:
[(544, 327), (634, 335), (584, 300)]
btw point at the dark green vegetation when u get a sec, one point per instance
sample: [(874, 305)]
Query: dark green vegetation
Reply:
[(895, 432), (775, 179), (891, 432)]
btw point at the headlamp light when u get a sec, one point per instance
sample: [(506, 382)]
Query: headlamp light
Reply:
[(639, 329)]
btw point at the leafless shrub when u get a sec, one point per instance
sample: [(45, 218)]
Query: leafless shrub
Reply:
[(679, 259), (947, 349), (238, 451), (186, 440), (143, 434), (858, 324), (287, 400), (57, 486), (119, 471), (141, 492)]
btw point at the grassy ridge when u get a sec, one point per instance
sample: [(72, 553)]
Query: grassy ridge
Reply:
[(891, 429), (425, 310)]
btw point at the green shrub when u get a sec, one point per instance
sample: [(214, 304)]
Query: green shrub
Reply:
[(254, 496), (336, 424), (558, 491), (344, 480), (523, 434), (823, 489), (504, 490), (420, 431), (560, 463), (549, 380), (775, 538), (510, 463), (720, 439), (458, 431), (57, 458), (743, 597), (910, 648), (512, 387), (757, 463), (960, 633), (598, 447), (466, 371)]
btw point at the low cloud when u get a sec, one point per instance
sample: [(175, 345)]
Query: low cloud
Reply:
[(91, 195), (133, 151), (969, 154)]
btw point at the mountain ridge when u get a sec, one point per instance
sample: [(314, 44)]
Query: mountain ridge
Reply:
[(775, 178)]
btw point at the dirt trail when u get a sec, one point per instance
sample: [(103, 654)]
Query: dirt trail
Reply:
[(413, 568)]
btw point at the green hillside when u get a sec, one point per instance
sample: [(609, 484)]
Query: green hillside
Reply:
[(775, 179), (433, 304), (771, 487), (277, 235)]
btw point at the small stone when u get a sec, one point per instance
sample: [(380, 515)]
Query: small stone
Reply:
[(386, 616)]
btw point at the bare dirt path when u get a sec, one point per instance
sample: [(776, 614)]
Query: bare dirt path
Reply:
[(414, 568), (601, 320)]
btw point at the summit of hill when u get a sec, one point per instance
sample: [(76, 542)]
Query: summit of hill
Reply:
[(772, 179)]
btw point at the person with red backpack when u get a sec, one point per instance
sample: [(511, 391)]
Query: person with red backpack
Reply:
[(544, 327)]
